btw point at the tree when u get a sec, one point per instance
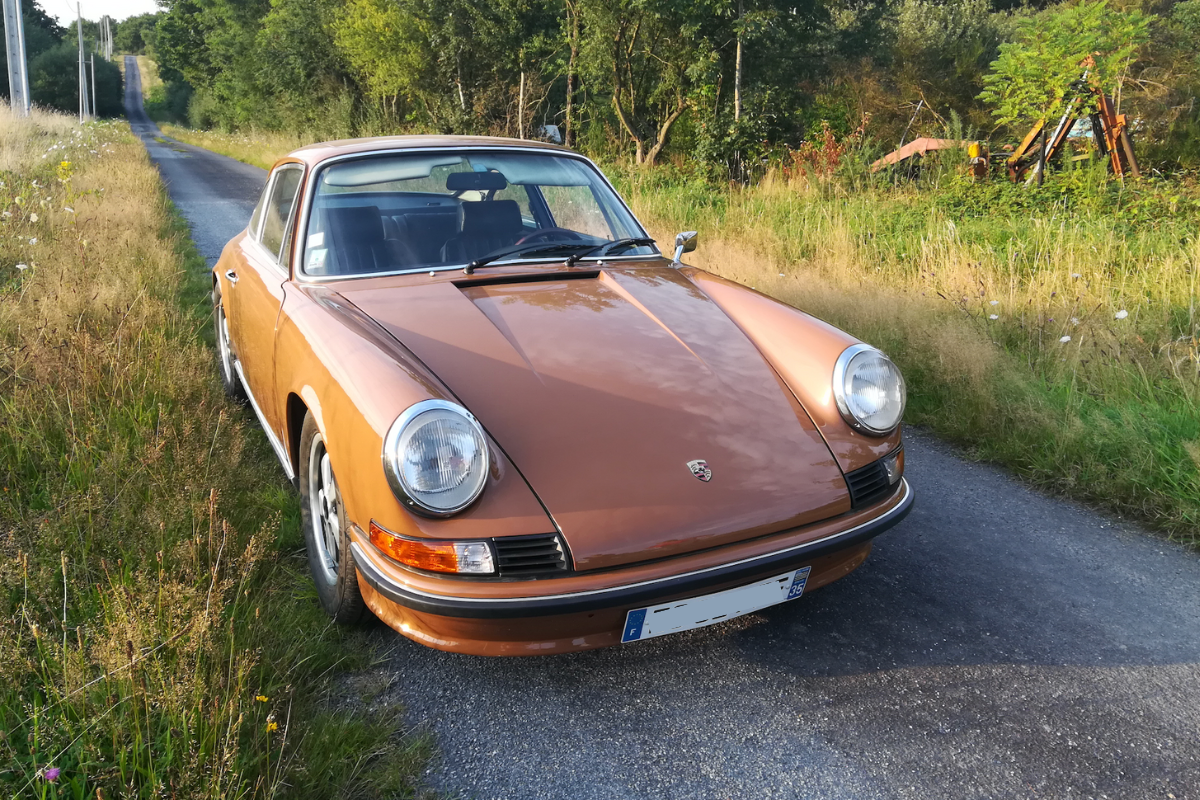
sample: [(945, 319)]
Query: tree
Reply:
[(649, 54), (135, 34), (1032, 77), (54, 81), (308, 73)]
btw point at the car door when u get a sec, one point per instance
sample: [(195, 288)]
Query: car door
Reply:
[(257, 286)]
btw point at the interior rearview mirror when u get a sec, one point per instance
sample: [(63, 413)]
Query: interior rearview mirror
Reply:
[(685, 243)]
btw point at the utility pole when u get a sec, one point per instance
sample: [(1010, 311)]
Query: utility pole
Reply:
[(83, 102), (14, 44)]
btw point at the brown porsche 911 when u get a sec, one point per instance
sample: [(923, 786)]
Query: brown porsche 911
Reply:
[(517, 427)]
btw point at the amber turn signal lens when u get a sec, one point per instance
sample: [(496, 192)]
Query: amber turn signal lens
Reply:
[(457, 557)]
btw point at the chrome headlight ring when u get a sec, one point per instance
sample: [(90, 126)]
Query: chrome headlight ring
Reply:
[(846, 369), (440, 442)]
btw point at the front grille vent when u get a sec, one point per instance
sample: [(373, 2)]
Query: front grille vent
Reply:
[(868, 485), (523, 556)]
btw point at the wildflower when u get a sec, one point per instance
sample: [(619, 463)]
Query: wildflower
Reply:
[(33, 217), (33, 240), (1076, 275), (994, 316), (51, 775), (1074, 320), (262, 698), (995, 302), (1065, 339), (1122, 314), (272, 727), (22, 267)]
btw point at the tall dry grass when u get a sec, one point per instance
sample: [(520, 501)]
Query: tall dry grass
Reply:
[(158, 637), (260, 148)]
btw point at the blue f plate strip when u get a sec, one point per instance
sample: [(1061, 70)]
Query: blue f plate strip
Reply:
[(633, 625)]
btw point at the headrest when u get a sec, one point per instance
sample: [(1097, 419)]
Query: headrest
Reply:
[(360, 225), (490, 218), (482, 181)]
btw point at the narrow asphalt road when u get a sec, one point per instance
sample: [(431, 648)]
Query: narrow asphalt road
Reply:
[(997, 644), (215, 194)]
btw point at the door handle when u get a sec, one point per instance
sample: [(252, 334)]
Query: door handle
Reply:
[(232, 276)]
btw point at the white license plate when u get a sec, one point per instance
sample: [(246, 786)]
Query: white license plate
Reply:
[(697, 612)]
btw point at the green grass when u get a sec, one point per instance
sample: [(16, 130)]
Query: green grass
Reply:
[(160, 636)]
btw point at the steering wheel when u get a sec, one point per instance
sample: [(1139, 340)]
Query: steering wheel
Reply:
[(544, 235)]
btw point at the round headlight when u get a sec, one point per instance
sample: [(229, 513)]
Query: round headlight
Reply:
[(436, 458), (869, 390)]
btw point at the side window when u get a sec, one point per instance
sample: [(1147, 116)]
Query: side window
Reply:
[(279, 208), (256, 218)]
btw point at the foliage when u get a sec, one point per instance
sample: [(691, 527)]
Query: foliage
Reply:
[(135, 35), (1033, 76), (54, 81)]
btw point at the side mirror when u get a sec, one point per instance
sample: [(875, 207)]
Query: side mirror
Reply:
[(685, 243)]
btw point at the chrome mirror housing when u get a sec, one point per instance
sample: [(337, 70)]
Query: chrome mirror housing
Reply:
[(685, 243)]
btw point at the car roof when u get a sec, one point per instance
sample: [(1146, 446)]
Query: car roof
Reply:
[(314, 154)]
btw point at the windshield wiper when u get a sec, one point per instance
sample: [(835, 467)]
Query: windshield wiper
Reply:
[(608, 247), (521, 249)]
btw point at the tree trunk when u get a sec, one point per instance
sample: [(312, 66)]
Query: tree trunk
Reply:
[(663, 132), (521, 108), (462, 98), (626, 123), (737, 69), (569, 123)]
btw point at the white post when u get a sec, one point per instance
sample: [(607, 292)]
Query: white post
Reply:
[(82, 69), (14, 43)]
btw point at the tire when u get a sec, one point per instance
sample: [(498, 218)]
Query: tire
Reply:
[(226, 356), (327, 531)]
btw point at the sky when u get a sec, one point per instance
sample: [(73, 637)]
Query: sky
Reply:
[(64, 10)]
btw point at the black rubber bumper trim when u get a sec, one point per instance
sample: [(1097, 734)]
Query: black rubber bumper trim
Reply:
[(632, 596)]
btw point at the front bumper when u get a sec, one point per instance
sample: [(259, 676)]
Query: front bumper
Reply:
[(634, 594)]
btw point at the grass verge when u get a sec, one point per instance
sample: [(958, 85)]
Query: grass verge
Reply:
[(1054, 330), (260, 148), (160, 635)]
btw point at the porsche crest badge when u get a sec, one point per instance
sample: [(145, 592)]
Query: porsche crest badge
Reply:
[(700, 469)]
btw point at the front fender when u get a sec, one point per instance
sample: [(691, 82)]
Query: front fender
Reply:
[(356, 380), (802, 350)]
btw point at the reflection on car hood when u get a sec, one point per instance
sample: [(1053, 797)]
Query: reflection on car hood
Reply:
[(602, 387)]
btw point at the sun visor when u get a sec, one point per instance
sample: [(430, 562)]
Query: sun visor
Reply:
[(370, 171), (535, 170)]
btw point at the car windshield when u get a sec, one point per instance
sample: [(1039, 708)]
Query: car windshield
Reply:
[(416, 211)]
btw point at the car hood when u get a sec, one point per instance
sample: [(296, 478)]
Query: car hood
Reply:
[(602, 386)]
